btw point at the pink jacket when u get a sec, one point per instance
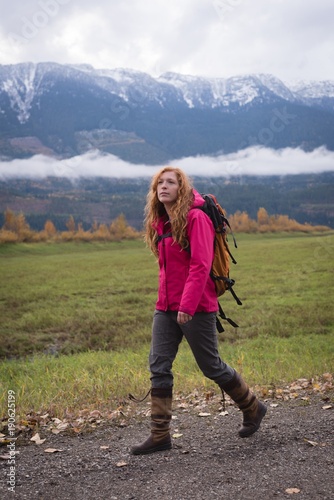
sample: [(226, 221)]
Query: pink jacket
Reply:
[(184, 276)]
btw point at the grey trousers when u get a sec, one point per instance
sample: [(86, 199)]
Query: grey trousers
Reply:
[(201, 336)]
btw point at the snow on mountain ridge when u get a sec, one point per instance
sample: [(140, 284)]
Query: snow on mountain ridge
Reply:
[(25, 82), (223, 91), (275, 85), (21, 91), (312, 89)]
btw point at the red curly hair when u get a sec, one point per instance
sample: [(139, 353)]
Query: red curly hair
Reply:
[(154, 209)]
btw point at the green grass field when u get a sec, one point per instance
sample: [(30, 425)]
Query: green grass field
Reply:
[(76, 319)]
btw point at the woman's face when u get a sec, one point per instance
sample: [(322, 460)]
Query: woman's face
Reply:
[(167, 189)]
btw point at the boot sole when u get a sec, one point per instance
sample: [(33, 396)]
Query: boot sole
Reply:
[(162, 447), (252, 430)]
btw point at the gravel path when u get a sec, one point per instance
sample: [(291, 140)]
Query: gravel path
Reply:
[(292, 455)]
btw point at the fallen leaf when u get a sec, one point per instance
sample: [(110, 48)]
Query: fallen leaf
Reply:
[(5, 441), (5, 457), (104, 447), (52, 450), (223, 413), (62, 426), (273, 405), (312, 443), (57, 421), (203, 414), (291, 491), (176, 436), (95, 414), (327, 407), (36, 439), (80, 420), (114, 414), (183, 405), (2, 435), (121, 464)]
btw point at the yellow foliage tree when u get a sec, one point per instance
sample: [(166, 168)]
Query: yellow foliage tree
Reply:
[(101, 233), (18, 225), (70, 224), (50, 228), (10, 221), (242, 223), (119, 229), (262, 217), (8, 236), (82, 235)]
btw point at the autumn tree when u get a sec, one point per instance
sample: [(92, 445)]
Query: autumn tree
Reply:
[(70, 224), (119, 229), (83, 235), (262, 217), (50, 229), (17, 224), (241, 222), (102, 233), (10, 221)]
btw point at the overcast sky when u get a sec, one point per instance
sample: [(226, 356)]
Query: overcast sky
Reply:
[(291, 39)]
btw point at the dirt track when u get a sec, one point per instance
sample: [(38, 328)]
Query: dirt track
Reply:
[(292, 455)]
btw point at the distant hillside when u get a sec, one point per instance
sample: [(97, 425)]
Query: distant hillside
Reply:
[(305, 198), (65, 110)]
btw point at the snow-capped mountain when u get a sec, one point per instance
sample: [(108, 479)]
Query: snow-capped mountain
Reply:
[(224, 92), (312, 89), (67, 109)]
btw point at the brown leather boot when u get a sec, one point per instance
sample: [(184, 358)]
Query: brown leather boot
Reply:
[(161, 414), (253, 410)]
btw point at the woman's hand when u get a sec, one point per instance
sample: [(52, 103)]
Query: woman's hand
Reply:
[(183, 318)]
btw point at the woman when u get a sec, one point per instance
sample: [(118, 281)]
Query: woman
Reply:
[(182, 238)]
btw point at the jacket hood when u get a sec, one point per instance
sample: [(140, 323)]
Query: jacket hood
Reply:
[(198, 199)]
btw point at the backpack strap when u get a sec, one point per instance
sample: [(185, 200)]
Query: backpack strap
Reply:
[(236, 298), (229, 252), (232, 234), (138, 400), (224, 317), (230, 284), (163, 236)]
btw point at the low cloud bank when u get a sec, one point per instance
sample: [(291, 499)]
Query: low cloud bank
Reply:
[(251, 161)]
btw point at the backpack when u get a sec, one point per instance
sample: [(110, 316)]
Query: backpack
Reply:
[(220, 271)]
